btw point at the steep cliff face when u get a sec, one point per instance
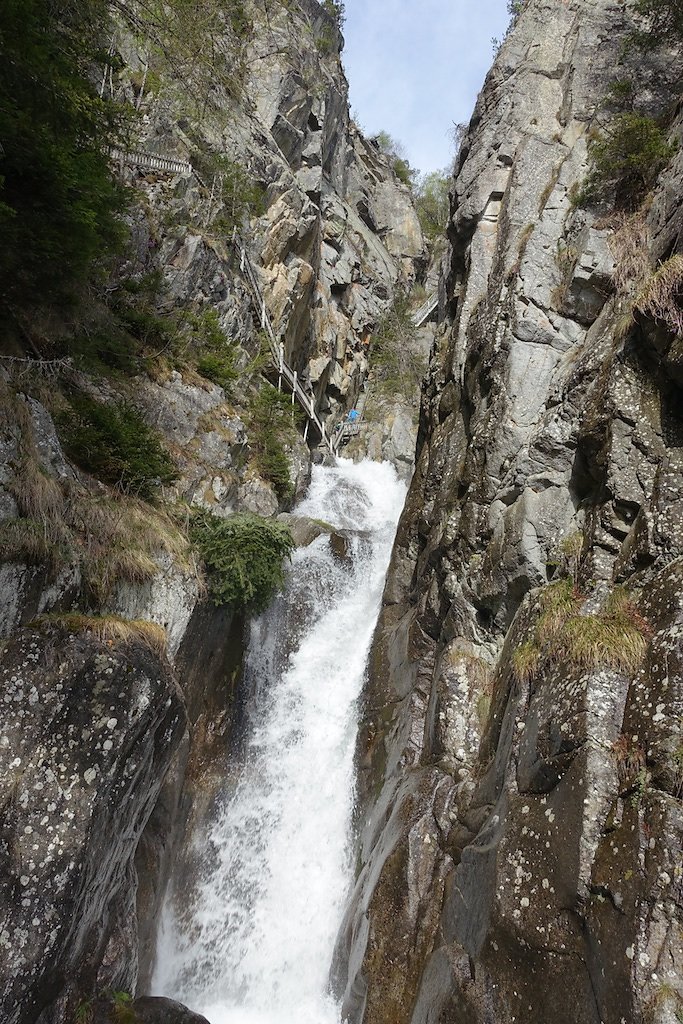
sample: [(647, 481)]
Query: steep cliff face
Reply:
[(122, 696), (520, 819)]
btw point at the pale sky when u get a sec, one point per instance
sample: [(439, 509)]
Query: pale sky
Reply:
[(416, 66)]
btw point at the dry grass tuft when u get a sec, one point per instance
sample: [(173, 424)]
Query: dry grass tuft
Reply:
[(661, 297), (558, 601), (630, 247), (630, 759), (32, 542), (526, 661), (617, 637), (37, 494), (113, 630)]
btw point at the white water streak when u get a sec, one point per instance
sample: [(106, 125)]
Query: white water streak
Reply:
[(257, 944)]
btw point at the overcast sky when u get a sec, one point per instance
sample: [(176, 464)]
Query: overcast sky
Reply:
[(416, 66)]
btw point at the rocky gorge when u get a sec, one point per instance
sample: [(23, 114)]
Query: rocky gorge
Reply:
[(518, 818)]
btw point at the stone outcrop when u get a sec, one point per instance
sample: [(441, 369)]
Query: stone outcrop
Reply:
[(89, 729), (520, 813)]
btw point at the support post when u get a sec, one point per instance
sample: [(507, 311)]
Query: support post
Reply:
[(263, 315), (242, 255), (294, 388), (308, 423), (282, 364)]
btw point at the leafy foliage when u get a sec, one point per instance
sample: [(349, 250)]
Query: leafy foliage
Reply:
[(395, 152), (59, 205), (335, 8), (626, 159), (115, 444), (432, 203), (240, 196), (216, 356), (244, 555), (392, 358), (201, 45)]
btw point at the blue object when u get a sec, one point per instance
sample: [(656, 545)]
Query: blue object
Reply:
[(353, 415)]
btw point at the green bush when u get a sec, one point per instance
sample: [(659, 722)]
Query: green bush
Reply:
[(272, 423), (626, 159), (241, 196), (115, 444), (244, 555), (216, 357), (432, 203), (395, 366), (395, 152)]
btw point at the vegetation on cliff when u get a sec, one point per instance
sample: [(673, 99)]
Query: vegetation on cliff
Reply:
[(244, 555), (59, 204)]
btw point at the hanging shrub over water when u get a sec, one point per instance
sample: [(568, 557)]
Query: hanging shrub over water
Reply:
[(244, 555)]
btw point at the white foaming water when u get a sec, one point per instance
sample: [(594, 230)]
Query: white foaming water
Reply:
[(255, 943)]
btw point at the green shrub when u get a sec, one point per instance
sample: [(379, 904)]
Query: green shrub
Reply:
[(244, 556), (216, 357), (115, 444), (240, 195), (664, 20), (395, 152), (432, 203), (395, 366), (625, 160), (272, 419)]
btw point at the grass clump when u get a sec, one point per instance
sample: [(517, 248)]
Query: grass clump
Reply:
[(244, 555), (107, 537), (617, 637), (526, 660), (113, 630), (33, 542), (115, 444), (661, 297)]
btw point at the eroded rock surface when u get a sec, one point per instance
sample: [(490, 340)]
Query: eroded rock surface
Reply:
[(520, 816), (88, 732)]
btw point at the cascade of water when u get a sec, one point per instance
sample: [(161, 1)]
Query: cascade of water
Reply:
[(254, 944)]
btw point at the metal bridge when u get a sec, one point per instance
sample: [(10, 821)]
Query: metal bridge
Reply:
[(426, 310)]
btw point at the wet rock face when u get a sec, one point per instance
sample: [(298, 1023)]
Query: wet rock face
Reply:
[(88, 732), (548, 448), (148, 1010)]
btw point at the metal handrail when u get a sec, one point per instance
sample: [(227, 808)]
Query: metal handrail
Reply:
[(151, 160), (421, 315), (305, 399)]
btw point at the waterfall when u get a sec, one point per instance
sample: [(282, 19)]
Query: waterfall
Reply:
[(254, 942)]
